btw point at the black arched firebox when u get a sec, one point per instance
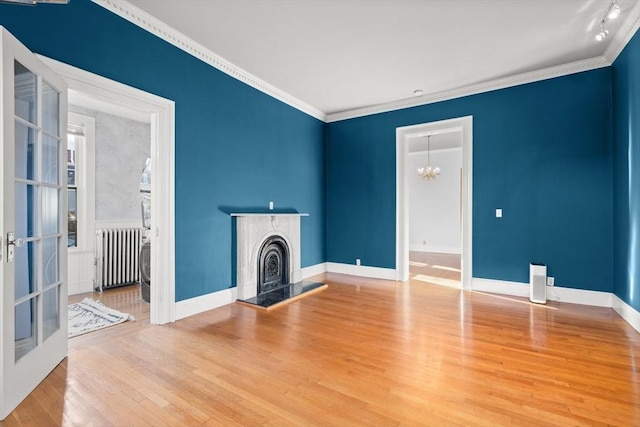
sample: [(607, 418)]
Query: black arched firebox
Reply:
[(273, 264)]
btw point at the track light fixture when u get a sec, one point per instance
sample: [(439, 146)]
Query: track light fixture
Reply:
[(612, 12)]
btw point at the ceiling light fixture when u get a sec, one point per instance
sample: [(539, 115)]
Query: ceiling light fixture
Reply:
[(429, 172), (612, 12), (603, 33)]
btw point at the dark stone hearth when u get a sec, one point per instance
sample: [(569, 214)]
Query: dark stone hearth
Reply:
[(282, 293)]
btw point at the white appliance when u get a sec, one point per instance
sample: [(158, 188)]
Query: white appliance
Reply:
[(538, 283), (145, 250)]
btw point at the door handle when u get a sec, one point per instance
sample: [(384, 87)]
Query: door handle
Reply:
[(13, 243)]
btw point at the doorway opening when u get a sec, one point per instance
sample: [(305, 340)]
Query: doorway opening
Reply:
[(435, 256), (160, 113)]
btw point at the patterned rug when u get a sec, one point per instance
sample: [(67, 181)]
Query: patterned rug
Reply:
[(89, 315)]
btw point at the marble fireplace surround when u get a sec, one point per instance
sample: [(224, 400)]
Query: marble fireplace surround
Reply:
[(252, 230)]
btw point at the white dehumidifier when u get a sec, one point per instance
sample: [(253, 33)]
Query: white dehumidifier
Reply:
[(538, 283)]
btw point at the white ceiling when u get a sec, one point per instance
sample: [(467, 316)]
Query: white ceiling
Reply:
[(439, 140), (342, 55)]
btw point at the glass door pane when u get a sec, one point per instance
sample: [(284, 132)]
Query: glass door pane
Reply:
[(37, 210)]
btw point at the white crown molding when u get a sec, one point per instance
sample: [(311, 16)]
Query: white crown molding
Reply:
[(142, 19), (153, 25), (624, 34), (505, 82)]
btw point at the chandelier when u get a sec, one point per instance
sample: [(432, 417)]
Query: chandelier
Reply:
[(429, 172)]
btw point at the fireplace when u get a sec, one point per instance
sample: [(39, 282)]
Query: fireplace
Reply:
[(267, 250), (273, 264)]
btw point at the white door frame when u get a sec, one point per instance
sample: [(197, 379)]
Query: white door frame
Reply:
[(403, 135), (162, 114)]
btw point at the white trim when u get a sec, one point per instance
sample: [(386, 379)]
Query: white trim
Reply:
[(196, 305), (624, 34), (579, 296), (81, 287), (362, 271), (403, 134), (628, 313), (162, 114), (130, 223), (158, 28), (500, 287), (505, 82), (85, 182), (314, 270), (554, 293)]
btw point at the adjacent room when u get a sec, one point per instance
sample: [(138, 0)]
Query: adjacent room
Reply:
[(353, 212)]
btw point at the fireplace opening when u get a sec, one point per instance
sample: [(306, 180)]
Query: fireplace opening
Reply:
[(273, 264)]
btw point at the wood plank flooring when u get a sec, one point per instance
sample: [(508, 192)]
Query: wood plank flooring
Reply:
[(363, 352)]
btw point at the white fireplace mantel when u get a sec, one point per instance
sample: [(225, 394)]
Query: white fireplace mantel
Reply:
[(253, 229)]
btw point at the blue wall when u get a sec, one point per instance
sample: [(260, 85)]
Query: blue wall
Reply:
[(236, 147), (542, 152), (626, 177)]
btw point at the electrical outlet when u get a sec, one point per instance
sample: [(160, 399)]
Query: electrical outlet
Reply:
[(270, 206), (357, 261), (498, 213), (550, 281)]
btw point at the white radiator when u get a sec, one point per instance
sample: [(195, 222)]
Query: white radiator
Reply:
[(117, 255)]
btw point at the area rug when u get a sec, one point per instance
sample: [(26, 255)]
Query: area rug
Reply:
[(89, 315)]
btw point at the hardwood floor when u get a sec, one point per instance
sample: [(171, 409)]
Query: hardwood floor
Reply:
[(435, 268), (363, 352)]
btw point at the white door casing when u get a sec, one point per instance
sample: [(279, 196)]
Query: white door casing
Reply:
[(162, 114), (80, 259), (33, 186), (403, 134)]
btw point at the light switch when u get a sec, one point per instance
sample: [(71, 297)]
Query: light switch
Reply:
[(498, 213), (270, 206)]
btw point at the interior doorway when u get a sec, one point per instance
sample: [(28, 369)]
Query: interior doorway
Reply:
[(434, 190), (160, 113), (409, 140)]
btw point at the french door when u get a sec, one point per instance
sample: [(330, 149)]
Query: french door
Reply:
[(33, 225)]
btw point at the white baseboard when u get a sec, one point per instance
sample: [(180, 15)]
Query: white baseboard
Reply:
[(627, 312), (206, 302), (362, 270), (213, 300), (193, 306), (500, 287), (80, 287), (579, 296), (554, 293), (314, 270)]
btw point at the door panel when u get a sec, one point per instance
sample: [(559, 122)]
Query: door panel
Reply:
[(34, 291)]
